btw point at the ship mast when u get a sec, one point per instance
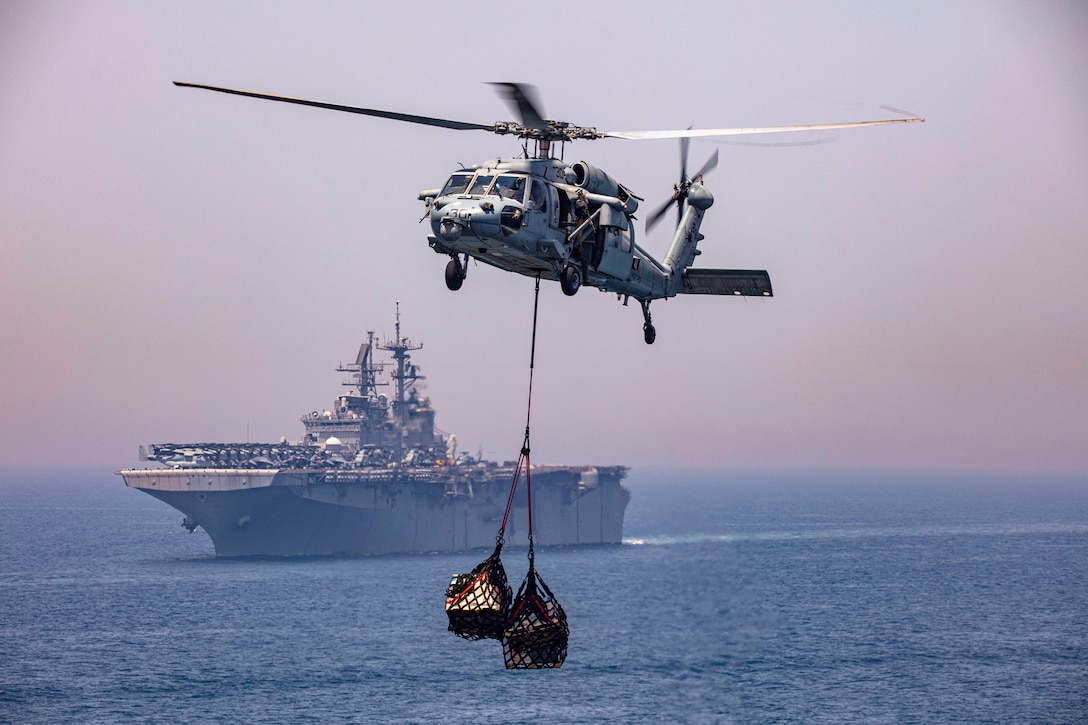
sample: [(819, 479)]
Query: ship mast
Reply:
[(364, 371), (406, 375)]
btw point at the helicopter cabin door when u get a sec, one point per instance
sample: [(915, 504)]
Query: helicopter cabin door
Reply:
[(617, 247)]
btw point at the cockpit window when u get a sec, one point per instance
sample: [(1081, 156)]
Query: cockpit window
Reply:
[(511, 187), (457, 184), (480, 185)]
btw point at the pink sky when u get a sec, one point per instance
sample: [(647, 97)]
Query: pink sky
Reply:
[(185, 266)]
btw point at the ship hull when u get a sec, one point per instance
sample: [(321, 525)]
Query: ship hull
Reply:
[(312, 512)]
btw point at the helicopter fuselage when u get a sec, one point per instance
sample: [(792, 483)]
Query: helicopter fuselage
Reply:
[(541, 216)]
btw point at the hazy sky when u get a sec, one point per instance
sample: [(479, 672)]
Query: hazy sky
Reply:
[(180, 265)]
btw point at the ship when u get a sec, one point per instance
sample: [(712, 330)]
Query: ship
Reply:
[(374, 475)]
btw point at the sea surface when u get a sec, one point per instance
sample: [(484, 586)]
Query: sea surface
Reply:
[(734, 598)]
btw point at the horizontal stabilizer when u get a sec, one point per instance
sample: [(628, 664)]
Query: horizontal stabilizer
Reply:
[(743, 282)]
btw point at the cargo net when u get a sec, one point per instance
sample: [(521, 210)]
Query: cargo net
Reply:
[(536, 632), (477, 603)]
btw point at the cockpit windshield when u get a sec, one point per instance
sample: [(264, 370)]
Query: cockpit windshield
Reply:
[(457, 184), (480, 185), (511, 187)]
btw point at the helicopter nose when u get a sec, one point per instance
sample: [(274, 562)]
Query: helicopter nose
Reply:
[(483, 221), (449, 230)]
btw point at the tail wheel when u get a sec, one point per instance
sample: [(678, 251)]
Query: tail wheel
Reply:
[(571, 280), (455, 274)]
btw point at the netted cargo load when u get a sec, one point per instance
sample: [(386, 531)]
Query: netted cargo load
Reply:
[(536, 632), (533, 628), (477, 603)]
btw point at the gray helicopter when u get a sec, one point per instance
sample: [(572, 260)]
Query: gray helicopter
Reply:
[(540, 216)]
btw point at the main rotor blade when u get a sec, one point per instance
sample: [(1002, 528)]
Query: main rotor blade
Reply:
[(698, 132), (425, 120), (524, 100), (778, 144)]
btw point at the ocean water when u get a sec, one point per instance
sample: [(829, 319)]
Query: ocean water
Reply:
[(734, 599)]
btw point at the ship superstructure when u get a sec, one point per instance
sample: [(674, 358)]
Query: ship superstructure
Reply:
[(372, 475)]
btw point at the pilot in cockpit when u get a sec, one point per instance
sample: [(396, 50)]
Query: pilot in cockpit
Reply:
[(510, 187)]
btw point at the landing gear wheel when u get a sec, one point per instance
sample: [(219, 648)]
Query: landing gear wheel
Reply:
[(570, 280), (649, 334), (455, 274)]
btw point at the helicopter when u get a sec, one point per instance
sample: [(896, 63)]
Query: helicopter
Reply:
[(539, 216)]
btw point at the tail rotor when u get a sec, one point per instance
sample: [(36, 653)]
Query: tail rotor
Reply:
[(680, 190)]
